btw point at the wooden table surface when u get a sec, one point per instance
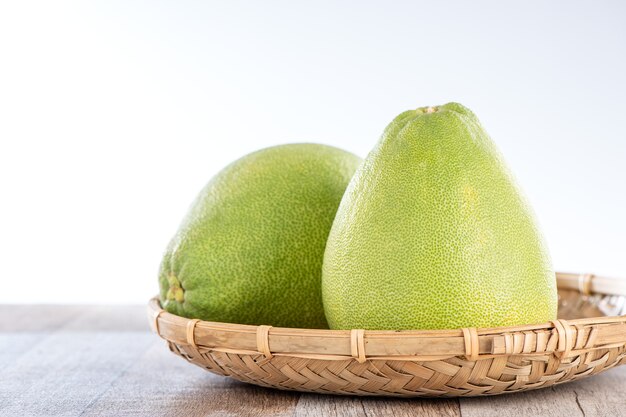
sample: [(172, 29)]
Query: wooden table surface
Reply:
[(103, 361)]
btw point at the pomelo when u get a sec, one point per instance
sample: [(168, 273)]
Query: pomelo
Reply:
[(250, 249), (434, 233)]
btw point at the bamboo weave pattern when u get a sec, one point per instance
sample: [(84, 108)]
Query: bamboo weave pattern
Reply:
[(468, 362)]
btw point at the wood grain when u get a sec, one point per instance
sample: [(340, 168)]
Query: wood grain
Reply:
[(67, 371), (546, 402), (312, 405), (161, 384), (36, 318), (23, 327), (601, 395), (64, 357), (101, 361)]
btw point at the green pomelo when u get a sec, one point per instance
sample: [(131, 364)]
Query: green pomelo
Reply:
[(250, 250), (433, 233)]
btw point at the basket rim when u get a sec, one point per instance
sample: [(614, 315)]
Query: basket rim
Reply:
[(557, 337)]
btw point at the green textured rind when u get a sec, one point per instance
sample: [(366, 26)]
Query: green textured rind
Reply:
[(250, 249), (433, 233)]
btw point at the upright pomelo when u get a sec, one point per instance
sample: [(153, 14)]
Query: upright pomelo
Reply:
[(250, 249), (433, 233)]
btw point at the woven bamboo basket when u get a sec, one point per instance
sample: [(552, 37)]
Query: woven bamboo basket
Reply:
[(589, 337)]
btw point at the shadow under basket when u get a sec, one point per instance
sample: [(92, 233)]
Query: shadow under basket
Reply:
[(589, 337)]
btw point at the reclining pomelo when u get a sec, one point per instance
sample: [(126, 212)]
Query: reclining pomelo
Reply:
[(250, 249)]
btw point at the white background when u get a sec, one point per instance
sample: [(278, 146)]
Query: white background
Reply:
[(113, 115)]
